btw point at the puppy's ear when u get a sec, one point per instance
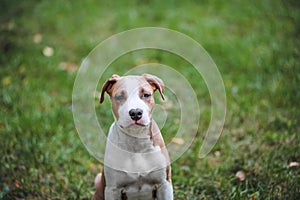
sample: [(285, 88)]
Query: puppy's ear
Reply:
[(107, 86), (156, 83)]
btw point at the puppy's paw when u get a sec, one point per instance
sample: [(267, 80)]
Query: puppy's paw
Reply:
[(98, 180), (99, 184)]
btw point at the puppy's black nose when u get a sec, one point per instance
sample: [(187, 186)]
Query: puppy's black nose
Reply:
[(136, 114)]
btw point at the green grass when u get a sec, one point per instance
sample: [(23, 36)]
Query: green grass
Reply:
[(255, 45)]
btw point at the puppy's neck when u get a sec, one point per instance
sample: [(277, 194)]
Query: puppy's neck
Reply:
[(132, 140)]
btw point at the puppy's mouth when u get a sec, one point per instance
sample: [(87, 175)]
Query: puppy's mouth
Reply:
[(138, 123)]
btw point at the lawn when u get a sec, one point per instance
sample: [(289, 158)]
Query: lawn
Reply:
[(255, 45)]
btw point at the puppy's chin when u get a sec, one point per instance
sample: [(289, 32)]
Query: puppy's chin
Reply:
[(135, 128), (134, 125)]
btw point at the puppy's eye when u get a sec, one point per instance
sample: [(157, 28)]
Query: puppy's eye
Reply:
[(119, 97), (147, 95)]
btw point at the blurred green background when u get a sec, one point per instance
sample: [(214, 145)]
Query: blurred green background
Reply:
[(255, 45)]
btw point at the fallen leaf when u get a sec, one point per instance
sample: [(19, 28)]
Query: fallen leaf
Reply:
[(293, 164), (37, 38), (253, 197), (48, 51), (92, 166), (68, 66), (217, 153), (6, 80), (17, 184), (178, 141), (240, 175)]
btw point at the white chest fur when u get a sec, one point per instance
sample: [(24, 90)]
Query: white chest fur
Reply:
[(133, 164)]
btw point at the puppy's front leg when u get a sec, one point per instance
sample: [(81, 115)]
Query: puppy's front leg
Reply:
[(165, 191)]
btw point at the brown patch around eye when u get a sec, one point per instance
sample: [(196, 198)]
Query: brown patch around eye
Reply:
[(146, 94), (118, 99)]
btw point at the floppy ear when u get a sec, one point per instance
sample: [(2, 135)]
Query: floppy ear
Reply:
[(108, 85), (156, 83)]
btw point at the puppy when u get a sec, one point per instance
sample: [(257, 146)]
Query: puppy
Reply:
[(136, 161)]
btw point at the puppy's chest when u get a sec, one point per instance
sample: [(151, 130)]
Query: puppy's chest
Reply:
[(136, 145), (121, 179), (140, 163)]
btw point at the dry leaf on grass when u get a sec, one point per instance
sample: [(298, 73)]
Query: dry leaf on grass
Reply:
[(240, 175), (293, 164), (68, 66), (179, 141), (217, 153), (37, 38), (6, 80), (48, 51)]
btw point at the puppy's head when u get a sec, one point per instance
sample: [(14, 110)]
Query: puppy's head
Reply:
[(132, 98)]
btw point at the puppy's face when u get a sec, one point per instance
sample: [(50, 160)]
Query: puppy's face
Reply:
[(132, 99)]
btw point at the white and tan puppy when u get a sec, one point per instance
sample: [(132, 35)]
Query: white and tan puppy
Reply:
[(136, 162)]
